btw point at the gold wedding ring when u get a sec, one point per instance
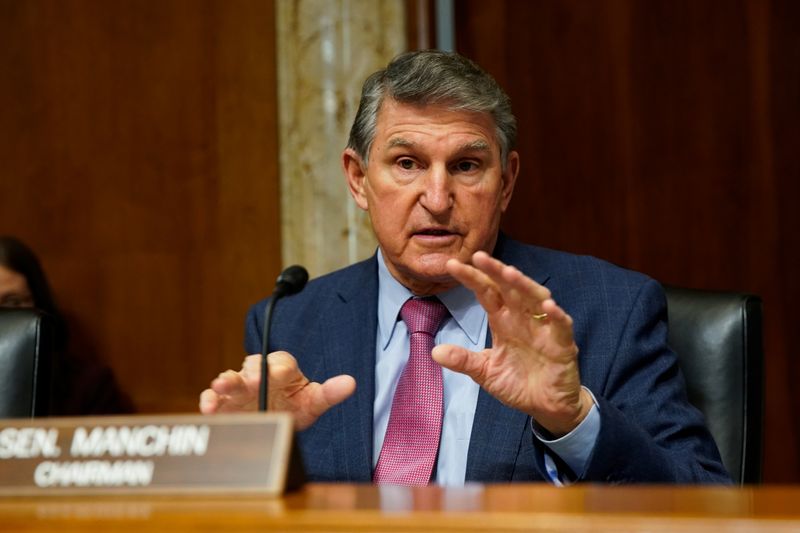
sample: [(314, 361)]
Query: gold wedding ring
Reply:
[(540, 316)]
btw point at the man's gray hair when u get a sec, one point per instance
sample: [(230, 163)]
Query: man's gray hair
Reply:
[(432, 77)]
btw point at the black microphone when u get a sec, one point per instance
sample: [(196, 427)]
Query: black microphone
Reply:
[(290, 281)]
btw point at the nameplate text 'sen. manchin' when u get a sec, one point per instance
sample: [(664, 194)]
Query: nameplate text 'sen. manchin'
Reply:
[(164, 454)]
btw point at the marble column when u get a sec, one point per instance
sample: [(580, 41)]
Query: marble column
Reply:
[(326, 48)]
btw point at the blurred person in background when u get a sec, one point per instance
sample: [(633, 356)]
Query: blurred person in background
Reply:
[(82, 384)]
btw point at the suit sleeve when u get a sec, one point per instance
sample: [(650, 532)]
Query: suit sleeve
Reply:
[(649, 433)]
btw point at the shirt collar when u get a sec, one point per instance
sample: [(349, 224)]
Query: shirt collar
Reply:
[(460, 302)]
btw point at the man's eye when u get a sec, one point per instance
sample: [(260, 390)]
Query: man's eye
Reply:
[(466, 166), (406, 164)]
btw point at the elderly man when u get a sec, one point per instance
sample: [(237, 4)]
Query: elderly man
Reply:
[(455, 353)]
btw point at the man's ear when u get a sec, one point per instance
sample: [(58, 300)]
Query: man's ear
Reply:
[(356, 174), (509, 180)]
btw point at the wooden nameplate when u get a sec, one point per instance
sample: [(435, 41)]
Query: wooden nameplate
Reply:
[(165, 454)]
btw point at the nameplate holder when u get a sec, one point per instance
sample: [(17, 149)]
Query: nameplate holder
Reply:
[(163, 454)]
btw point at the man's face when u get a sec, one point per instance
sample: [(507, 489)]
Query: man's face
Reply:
[(434, 189)]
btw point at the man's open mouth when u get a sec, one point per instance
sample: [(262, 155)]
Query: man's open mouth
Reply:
[(434, 232)]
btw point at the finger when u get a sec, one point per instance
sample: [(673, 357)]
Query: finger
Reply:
[(236, 391), (459, 359), (496, 285), (332, 392), (479, 283), (229, 383), (315, 399), (251, 368), (285, 374), (517, 288), (212, 401), (559, 321), (209, 402)]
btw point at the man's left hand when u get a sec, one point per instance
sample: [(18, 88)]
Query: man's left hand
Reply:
[(532, 365)]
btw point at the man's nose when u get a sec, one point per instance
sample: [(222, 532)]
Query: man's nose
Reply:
[(437, 193)]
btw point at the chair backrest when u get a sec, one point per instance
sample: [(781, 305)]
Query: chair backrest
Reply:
[(718, 339), (26, 363)]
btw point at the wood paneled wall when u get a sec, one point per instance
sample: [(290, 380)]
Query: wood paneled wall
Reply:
[(139, 159), (662, 135)]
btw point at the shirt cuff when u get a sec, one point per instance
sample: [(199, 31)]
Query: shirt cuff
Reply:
[(575, 447)]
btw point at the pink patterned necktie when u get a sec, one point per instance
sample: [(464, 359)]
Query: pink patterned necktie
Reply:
[(415, 421)]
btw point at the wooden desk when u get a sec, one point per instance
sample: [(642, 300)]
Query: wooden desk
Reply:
[(329, 507)]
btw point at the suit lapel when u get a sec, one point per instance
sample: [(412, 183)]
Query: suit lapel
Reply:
[(351, 350)]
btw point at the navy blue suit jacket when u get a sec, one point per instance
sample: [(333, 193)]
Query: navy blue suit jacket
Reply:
[(649, 432)]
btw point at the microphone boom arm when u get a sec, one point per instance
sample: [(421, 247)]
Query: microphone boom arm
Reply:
[(291, 281), (263, 388)]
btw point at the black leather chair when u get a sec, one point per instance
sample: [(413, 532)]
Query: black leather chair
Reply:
[(718, 339), (26, 363)]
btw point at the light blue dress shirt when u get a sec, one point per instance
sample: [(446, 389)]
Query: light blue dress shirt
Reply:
[(466, 326)]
